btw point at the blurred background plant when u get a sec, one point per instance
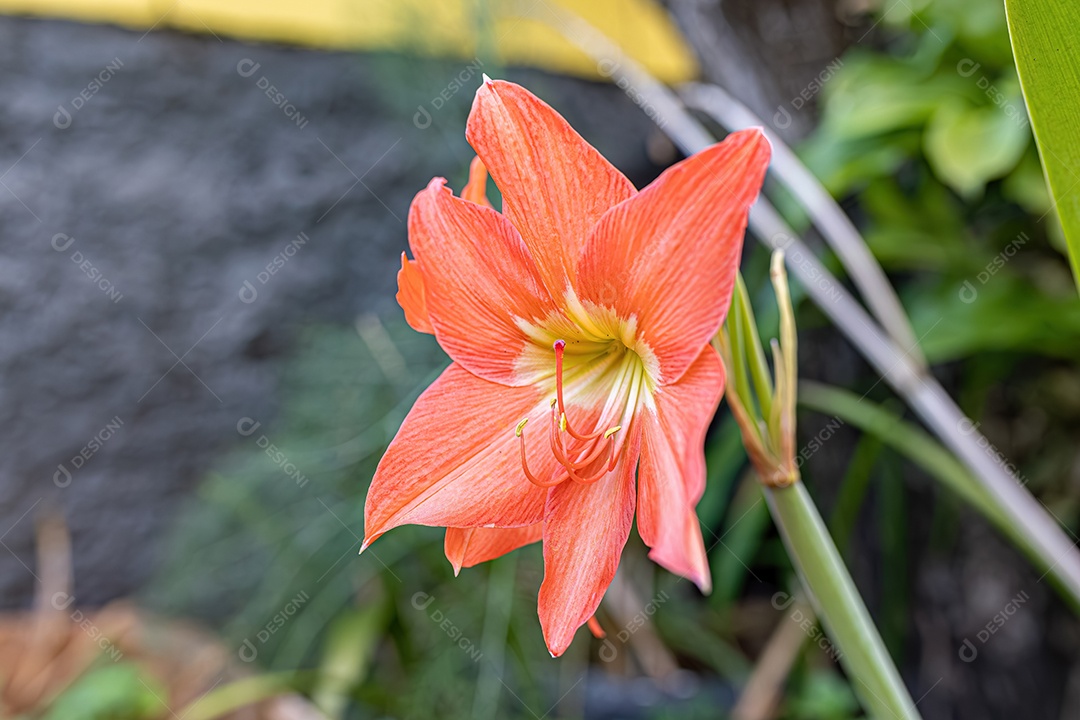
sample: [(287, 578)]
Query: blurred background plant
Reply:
[(926, 140)]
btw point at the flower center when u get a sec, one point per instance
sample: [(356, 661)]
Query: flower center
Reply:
[(582, 456), (602, 374)]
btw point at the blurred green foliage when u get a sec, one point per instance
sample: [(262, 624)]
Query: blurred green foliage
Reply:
[(928, 136), (114, 692)]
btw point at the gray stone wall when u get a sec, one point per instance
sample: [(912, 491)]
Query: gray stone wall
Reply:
[(172, 207)]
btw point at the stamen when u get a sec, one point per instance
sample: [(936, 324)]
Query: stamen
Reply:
[(519, 431), (573, 468), (604, 469), (599, 448), (564, 423)]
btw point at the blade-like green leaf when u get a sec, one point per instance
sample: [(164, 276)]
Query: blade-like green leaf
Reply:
[(1047, 50)]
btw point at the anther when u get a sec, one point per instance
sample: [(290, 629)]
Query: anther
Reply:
[(519, 431)]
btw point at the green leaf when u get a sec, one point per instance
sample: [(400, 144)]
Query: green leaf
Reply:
[(927, 453), (968, 146), (1046, 46), (871, 95), (114, 692)]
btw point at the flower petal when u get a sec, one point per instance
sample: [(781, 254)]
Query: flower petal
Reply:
[(455, 462), (671, 475), (476, 189), (585, 529), (555, 186), (479, 281), (668, 255), (410, 295), (466, 547)]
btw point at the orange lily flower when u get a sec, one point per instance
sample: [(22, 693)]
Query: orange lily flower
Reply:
[(578, 321)]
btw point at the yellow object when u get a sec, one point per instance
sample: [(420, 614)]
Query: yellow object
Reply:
[(462, 29)]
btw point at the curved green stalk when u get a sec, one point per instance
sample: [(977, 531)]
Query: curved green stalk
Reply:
[(932, 457), (838, 604), (769, 440)]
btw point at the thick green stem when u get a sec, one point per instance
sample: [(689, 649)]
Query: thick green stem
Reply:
[(838, 604)]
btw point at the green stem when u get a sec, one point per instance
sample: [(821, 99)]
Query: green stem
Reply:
[(838, 604), (926, 453)]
